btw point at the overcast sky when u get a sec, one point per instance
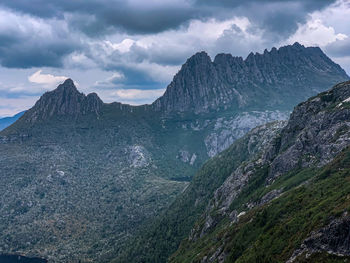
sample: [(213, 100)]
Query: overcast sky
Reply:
[(129, 50)]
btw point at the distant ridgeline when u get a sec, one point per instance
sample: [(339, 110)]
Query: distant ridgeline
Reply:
[(7, 121), (83, 180), (261, 81)]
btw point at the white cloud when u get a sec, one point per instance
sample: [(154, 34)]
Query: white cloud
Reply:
[(198, 35), (123, 46), (159, 56), (12, 106), (110, 82), (329, 29), (138, 94), (336, 15), (117, 76), (315, 33), (129, 63), (79, 60), (46, 79), (130, 96), (112, 89)]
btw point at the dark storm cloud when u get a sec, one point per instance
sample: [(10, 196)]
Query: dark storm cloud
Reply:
[(145, 17), (130, 20), (278, 18), (109, 14), (308, 4), (27, 42), (339, 48), (95, 18), (27, 55), (131, 79), (132, 76), (160, 54), (135, 78)]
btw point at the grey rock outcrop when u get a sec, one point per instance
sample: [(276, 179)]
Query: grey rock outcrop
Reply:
[(184, 156), (317, 131), (332, 239), (228, 129), (258, 139), (138, 156), (292, 72), (66, 101)]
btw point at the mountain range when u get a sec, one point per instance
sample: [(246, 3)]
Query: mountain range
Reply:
[(83, 180), (230, 82), (7, 121)]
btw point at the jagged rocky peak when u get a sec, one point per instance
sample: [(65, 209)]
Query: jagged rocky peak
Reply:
[(223, 58), (68, 86), (286, 76), (65, 100), (190, 85), (199, 58)]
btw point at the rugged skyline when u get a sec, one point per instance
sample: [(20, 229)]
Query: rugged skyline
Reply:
[(81, 177), (101, 47)]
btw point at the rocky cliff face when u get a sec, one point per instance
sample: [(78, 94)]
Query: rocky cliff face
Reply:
[(333, 239), (66, 101), (293, 71), (259, 139), (317, 132), (226, 130)]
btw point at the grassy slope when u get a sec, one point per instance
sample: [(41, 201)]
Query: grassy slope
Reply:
[(271, 233)]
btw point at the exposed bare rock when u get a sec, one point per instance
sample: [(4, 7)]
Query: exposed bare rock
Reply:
[(184, 156), (66, 101), (229, 129), (259, 139), (138, 156), (332, 239), (292, 71), (317, 131)]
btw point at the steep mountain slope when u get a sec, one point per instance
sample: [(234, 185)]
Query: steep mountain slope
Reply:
[(7, 121), (79, 177), (268, 207), (317, 127), (309, 223), (159, 240), (88, 174), (293, 71), (77, 181)]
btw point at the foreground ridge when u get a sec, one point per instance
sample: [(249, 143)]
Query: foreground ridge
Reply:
[(293, 192)]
